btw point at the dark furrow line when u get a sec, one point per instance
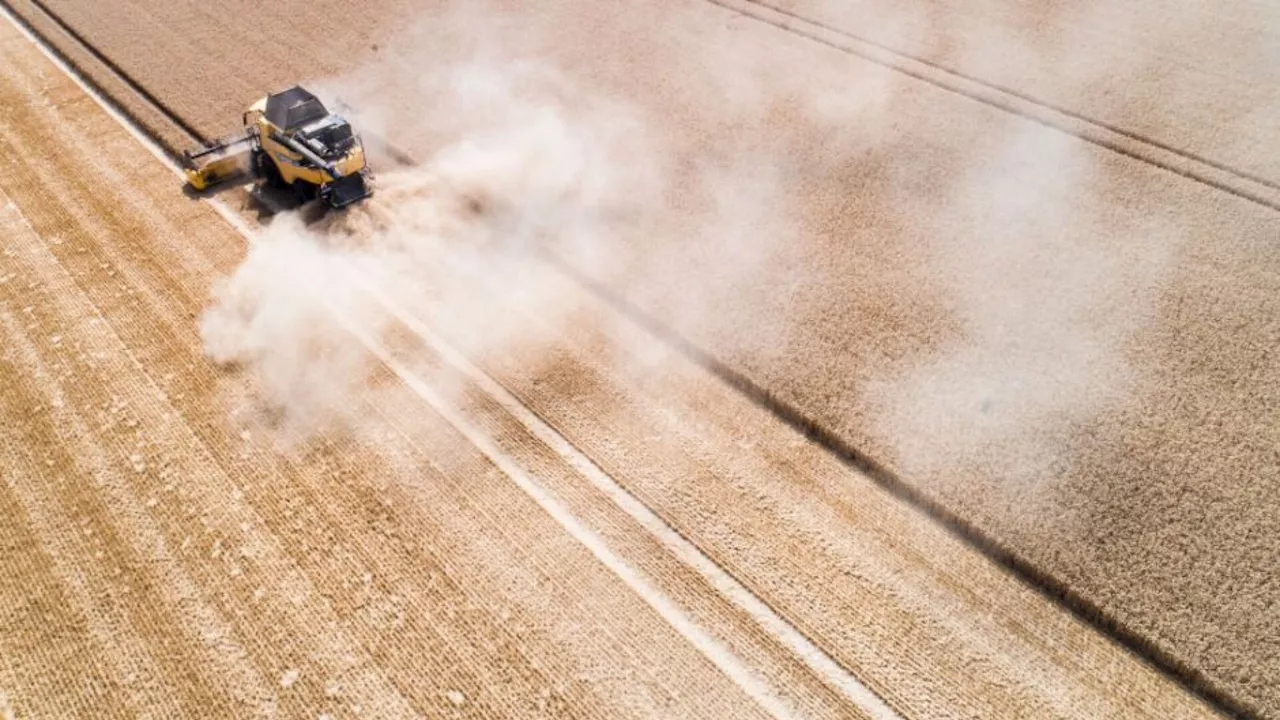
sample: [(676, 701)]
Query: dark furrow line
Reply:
[(1010, 108), (1026, 571), (1192, 679), (171, 115), (84, 76), (118, 71)]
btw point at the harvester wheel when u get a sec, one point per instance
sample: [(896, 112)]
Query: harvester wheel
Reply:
[(304, 192), (269, 172), (256, 164)]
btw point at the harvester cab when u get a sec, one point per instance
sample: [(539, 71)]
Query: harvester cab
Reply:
[(290, 140)]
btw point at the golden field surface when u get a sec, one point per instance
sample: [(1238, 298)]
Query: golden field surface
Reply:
[(1022, 262)]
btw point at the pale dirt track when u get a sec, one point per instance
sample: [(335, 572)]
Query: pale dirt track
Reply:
[(162, 559)]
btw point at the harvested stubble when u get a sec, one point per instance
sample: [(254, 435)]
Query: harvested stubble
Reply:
[(1070, 349)]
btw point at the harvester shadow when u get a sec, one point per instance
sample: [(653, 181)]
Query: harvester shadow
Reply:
[(243, 196), (261, 202), (191, 192)]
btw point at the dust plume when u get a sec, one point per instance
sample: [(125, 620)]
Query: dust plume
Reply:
[(276, 317), (1048, 292), (774, 217), (298, 315), (514, 155)]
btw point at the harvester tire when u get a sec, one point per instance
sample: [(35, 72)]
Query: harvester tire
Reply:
[(304, 192), (269, 172)]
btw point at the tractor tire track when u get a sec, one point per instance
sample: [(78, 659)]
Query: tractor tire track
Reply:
[(685, 473)]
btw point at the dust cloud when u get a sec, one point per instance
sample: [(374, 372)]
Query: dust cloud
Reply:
[(515, 156), (680, 187), (1049, 291), (437, 241)]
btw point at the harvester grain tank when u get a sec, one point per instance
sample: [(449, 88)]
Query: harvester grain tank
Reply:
[(290, 139)]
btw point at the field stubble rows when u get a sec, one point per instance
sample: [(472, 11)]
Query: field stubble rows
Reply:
[(938, 685)]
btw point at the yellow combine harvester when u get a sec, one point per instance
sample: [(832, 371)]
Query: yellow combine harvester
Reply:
[(290, 140)]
